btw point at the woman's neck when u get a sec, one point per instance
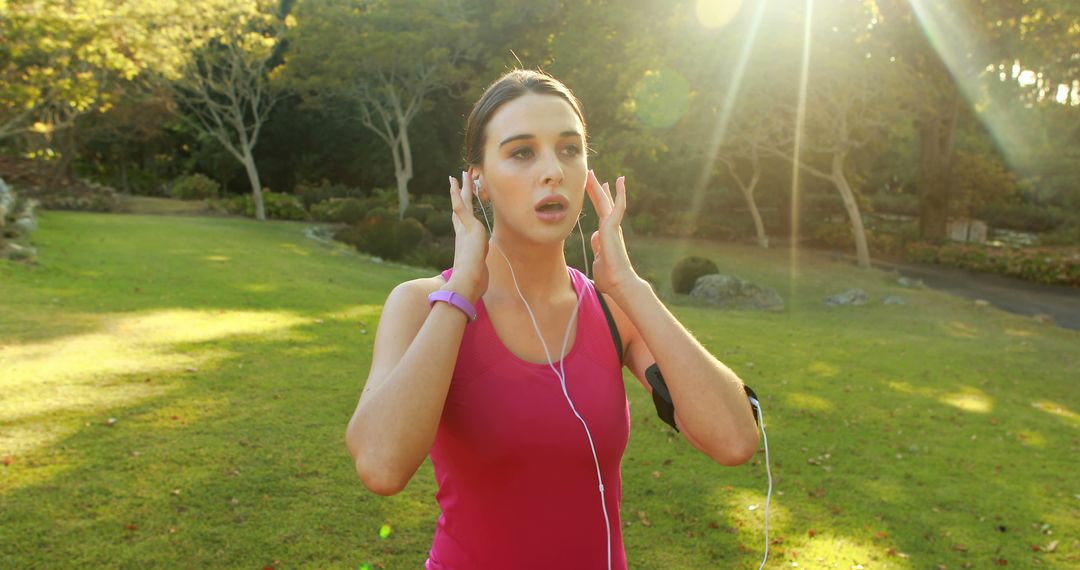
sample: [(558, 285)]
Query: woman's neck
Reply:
[(540, 269)]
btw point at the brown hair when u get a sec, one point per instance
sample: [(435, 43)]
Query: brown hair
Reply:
[(510, 86)]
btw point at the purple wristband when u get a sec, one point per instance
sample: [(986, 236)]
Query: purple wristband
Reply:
[(455, 300)]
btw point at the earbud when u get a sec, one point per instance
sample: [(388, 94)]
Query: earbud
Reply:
[(476, 189)]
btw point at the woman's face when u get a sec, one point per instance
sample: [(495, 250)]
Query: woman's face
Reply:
[(534, 157)]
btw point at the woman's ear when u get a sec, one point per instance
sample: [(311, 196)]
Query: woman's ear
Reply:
[(479, 189)]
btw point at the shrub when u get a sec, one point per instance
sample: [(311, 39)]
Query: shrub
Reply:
[(194, 187), (1023, 217), (409, 233), (278, 206), (435, 256), (340, 210), (312, 193), (440, 224), (1043, 264), (688, 270), (419, 212)]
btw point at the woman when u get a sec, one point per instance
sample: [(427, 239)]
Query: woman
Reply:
[(503, 367)]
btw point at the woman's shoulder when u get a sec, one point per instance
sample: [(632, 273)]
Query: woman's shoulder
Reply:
[(415, 289)]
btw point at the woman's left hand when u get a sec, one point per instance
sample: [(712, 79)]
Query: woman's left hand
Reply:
[(611, 264)]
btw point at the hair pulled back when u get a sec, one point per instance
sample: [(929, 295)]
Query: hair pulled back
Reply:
[(510, 86)]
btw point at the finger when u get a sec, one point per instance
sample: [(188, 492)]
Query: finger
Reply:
[(467, 182), (596, 245), (455, 196), (620, 198), (592, 186), (607, 195)]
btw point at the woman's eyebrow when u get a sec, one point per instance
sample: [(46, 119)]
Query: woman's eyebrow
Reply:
[(524, 136)]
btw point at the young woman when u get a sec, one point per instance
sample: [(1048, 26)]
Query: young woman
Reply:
[(504, 367)]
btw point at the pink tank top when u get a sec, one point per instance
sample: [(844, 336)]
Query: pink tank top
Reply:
[(517, 481)]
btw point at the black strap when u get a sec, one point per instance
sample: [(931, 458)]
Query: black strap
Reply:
[(665, 408), (610, 323)]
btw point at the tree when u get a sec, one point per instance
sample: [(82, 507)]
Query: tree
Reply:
[(224, 87), (60, 60), (385, 57)]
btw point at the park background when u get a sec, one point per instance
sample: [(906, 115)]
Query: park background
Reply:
[(205, 204)]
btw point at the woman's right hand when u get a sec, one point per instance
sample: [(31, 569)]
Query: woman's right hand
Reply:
[(470, 277)]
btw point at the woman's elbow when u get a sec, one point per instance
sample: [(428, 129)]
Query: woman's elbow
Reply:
[(737, 451), (379, 480)]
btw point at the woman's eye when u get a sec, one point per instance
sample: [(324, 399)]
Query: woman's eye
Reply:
[(572, 150), (521, 153)]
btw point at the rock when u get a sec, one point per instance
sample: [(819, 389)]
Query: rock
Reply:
[(912, 283), (981, 303), (849, 297), (732, 292), (893, 300)]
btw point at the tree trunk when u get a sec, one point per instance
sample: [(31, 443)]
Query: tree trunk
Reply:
[(935, 164), (403, 170), (759, 226), (862, 252), (256, 187)]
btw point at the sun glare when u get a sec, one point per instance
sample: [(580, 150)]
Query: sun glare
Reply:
[(717, 13)]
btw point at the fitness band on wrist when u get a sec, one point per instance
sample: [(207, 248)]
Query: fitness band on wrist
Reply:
[(455, 300)]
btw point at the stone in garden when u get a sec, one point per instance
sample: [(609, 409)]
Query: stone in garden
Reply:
[(893, 300), (849, 297), (732, 292), (981, 303), (909, 282)]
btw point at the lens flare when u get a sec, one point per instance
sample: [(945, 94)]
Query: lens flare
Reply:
[(716, 13), (661, 98)]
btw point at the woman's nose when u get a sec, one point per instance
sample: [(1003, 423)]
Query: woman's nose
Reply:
[(553, 172)]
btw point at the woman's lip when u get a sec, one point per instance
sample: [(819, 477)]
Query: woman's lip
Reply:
[(551, 216), (553, 198)]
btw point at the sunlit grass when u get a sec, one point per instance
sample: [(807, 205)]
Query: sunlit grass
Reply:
[(161, 408)]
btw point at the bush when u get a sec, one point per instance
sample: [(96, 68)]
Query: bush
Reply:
[(278, 206), (340, 210), (311, 193), (194, 187), (435, 256), (409, 234), (383, 236), (688, 270), (1059, 266), (440, 224), (1023, 217), (419, 212)]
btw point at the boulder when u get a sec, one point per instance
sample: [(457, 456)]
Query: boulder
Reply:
[(732, 292), (909, 282), (893, 300), (849, 297)]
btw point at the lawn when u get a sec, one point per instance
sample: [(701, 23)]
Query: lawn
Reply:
[(174, 393)]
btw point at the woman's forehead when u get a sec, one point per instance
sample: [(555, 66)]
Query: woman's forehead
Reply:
[(533, 114)]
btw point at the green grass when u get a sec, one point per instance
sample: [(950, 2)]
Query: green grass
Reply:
[(230, 354)]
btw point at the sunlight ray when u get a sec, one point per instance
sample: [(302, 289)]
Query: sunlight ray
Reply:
[(697, 197), (800, 120)]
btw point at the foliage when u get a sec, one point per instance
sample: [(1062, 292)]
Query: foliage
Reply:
[(1059, 266), (1024, 217), (312, 193), (278, 206), (978, 181), (687, 271), (381, 234), (341, 210), (194, 187)]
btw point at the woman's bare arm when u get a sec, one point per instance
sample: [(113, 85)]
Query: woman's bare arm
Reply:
[(394, 424)]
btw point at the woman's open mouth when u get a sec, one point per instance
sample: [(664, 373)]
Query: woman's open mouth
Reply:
[(552, 208)]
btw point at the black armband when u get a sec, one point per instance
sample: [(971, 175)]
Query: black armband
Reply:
[(661, 396)]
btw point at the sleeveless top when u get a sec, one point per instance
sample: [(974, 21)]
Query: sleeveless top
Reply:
[(517, 482)]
